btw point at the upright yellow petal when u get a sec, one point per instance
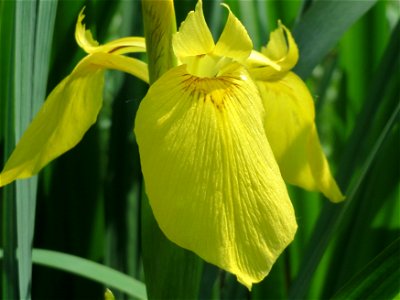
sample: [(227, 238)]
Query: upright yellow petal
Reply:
[(69, 111), (86, 41), (290, 129), (277, 58), (282, 48), (234, 41), (193, 38), (212, 181)]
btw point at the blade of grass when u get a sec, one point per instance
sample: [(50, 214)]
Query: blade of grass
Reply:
[(25, 21), (359, 239), (249, 18), (388, 66), (332, 216), (9, 232), (363, 236), (34, 30), (123, 185), (321, 27), (379, 279), (330, 223), (9, 288), (88, 269)]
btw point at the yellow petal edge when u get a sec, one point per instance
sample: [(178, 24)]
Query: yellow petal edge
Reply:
[(211, 178)]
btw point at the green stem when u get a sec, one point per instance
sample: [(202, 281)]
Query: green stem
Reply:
[(159, 26)]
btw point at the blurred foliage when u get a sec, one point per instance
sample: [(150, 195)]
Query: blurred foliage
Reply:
[(89, 201)]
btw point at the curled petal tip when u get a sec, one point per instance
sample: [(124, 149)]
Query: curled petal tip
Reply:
[(282, 48), (83, 36)]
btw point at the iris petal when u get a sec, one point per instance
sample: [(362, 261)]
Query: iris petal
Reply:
[(277, 58), (234, 41), (291, 131), (69, 111), (282, 48), (85, 40), (84, 37), (193, 38), (212, 181), (122, 63)]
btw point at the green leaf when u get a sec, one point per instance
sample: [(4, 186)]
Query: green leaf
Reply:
[(379, 279), (333, 217), (88, 269), (388, 65), (33, 36), (361, 238), (123, 185), (321, 27), (9, 288)]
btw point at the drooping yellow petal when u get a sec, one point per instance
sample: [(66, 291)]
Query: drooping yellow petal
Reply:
[(212, 181), (193, 38), (122, 63), (320, 169), (70, 109), (234, 41), (290, 129), (85, 40)]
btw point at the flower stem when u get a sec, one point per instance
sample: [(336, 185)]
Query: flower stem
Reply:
[(159, 26)]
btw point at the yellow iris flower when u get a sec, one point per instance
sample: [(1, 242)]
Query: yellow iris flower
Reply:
[(215, 134)]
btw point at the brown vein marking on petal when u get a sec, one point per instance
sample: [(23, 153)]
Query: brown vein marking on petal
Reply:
[(117, 48), (218, 103), (213, 90)]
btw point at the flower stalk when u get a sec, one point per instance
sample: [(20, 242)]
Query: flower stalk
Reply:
[(159, 25)]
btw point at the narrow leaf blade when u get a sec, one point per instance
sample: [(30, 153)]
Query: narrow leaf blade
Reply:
[(322, 26)]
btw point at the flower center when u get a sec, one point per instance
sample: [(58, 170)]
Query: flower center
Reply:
[(206, 65)]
